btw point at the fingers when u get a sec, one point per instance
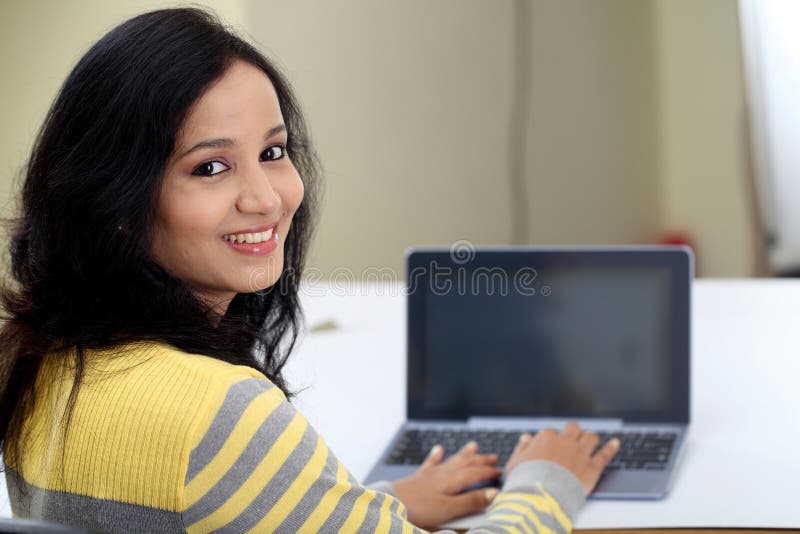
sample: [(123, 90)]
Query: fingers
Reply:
[(464, 456), (470, 448), (524, 439), (514, 458), (547, 434), (472, 502), (602, 457), (571, 430), (485, 459), (467, 476), (476, 459), (434, 457), (467, 455), (588, 441)]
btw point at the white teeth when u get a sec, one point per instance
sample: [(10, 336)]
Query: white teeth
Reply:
[(257, 237)]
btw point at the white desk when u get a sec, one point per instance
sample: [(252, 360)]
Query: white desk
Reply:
[(741, 467)]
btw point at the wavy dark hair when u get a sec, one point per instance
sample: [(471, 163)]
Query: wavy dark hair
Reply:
[(82, 274)]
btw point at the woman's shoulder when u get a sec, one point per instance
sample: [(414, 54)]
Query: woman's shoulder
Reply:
[(158, 383), (139, 412), (151, 362)]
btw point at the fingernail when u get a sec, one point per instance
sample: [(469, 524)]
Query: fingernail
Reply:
[(491, 493), (615, 443), (524, 437), (434, 450)]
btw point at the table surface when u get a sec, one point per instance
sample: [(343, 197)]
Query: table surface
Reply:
[(740, 467)]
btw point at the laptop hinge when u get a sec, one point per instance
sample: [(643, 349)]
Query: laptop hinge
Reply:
[(536, 423)]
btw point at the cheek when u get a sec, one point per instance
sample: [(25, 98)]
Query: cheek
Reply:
[(293, 193), (186, 218)]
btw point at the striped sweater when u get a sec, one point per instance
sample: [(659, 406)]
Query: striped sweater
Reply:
[(164, 441)]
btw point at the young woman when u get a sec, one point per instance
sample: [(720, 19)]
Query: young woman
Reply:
[(165, 217)]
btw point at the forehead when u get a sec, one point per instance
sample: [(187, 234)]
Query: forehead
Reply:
[(243, 101)]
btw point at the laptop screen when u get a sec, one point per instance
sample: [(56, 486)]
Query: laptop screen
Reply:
[(550, 333)]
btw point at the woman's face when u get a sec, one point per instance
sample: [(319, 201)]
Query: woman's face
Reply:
[(229, 191)]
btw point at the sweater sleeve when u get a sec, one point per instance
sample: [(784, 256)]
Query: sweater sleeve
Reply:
[(256, 464)]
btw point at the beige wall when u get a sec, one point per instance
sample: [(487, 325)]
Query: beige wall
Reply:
[(592, 149), (409, 108), (411, 115), (633, 125), (704, 185)]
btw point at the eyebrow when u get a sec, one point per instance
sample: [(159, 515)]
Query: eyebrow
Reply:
[(225, 142)]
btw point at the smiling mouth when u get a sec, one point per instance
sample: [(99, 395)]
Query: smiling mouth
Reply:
[(257, 237)]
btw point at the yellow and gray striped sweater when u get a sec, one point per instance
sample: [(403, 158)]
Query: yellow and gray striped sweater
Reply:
[(164, 441)]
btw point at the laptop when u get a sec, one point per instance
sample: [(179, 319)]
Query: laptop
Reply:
[(504, 340)]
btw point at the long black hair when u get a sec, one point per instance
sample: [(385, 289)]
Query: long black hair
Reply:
[(82, 272)]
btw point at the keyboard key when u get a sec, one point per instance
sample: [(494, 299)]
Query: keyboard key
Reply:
[(638, 450)]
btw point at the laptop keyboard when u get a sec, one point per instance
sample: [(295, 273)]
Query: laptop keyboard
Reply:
[(639, 450)]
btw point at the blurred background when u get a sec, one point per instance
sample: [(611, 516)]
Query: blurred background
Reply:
[(496, 122)]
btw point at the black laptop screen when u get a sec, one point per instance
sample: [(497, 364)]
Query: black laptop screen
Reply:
[(590, 334)]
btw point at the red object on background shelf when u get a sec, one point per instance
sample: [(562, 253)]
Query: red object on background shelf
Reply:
[(681, 238)]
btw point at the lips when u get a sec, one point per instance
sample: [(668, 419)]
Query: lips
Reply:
[(253, 243)]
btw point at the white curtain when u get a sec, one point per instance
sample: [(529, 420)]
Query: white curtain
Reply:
[(771, 41)]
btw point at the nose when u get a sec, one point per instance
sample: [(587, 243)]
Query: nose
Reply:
[(257, 195)]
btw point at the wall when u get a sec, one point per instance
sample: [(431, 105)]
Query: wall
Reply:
[(704, 185), (633, 122), (592, 149), (411, 109)]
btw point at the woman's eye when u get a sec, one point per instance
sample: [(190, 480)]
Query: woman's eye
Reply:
[(273, 153), (210, 168)]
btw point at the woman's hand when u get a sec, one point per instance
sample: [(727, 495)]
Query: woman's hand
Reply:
[(431, 495), (571, 448)]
